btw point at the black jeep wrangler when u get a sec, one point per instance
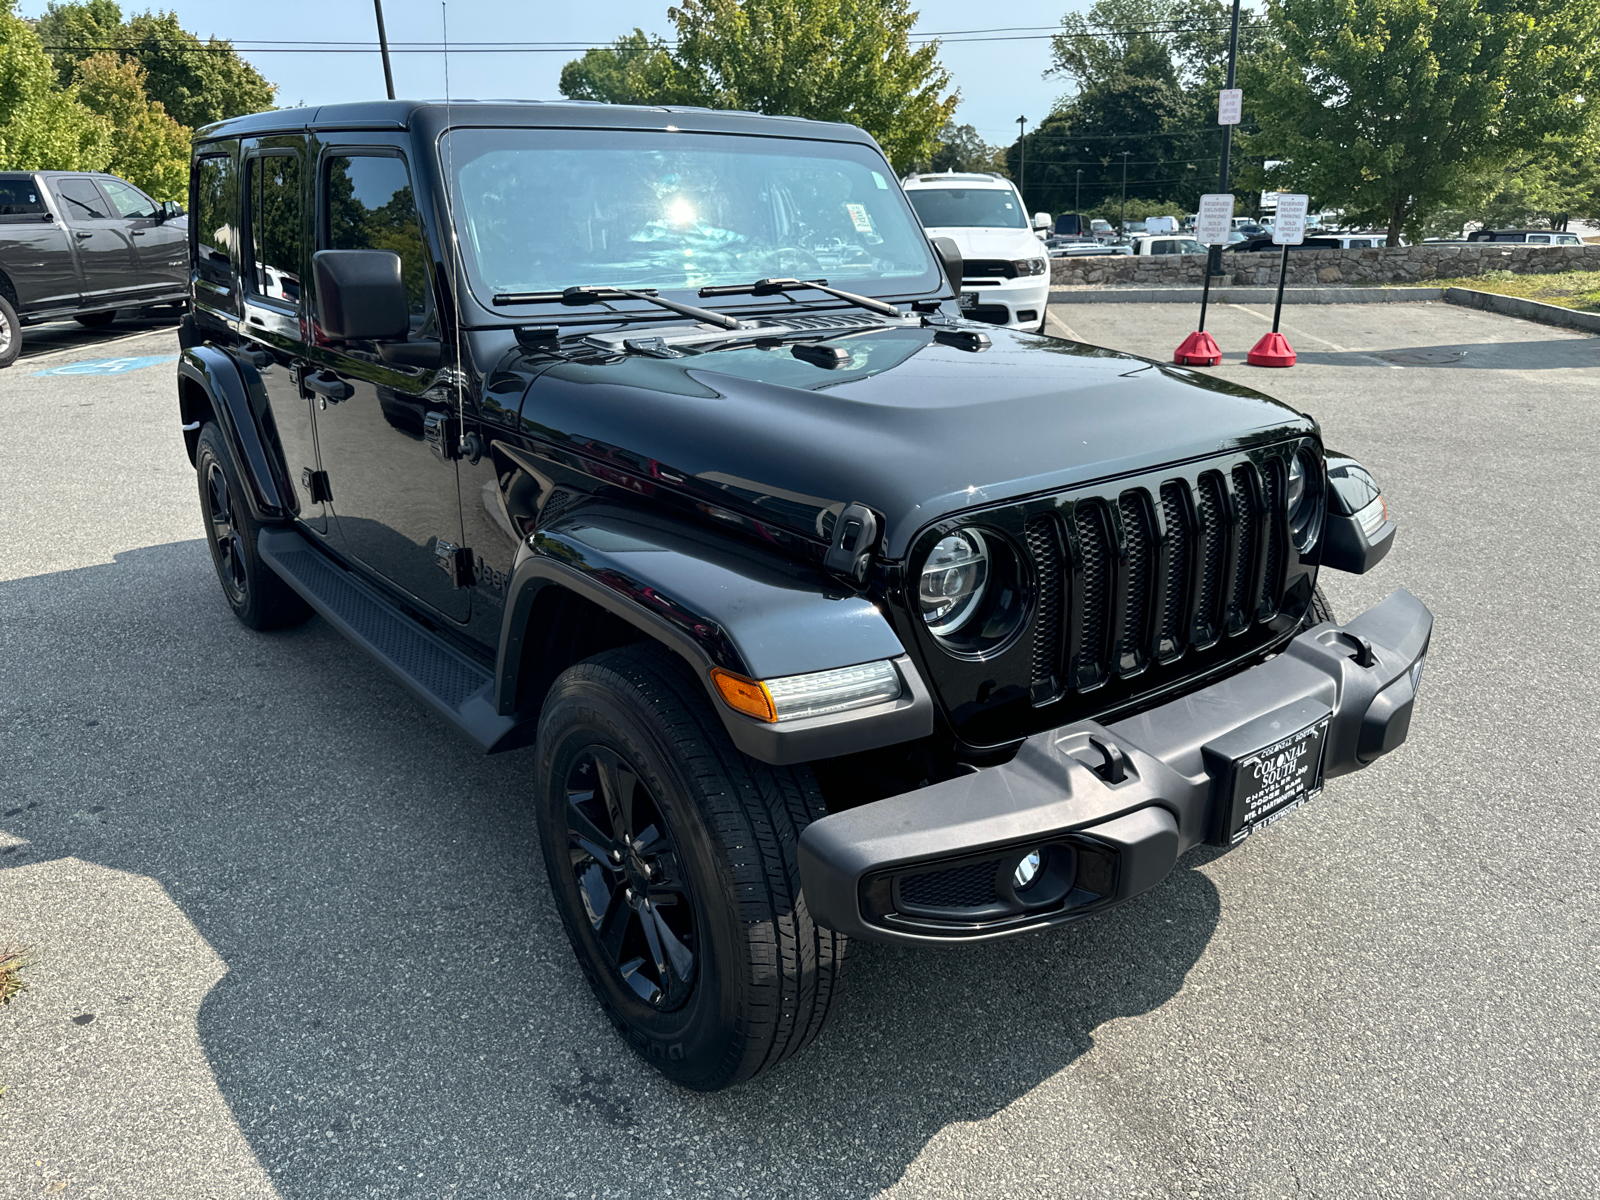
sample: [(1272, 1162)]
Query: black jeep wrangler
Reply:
[(654, 438)]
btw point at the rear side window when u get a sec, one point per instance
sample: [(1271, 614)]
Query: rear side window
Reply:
[(273, 259), (369, 205), (80, 200), (216, 200), (128, 200), (20, 198)]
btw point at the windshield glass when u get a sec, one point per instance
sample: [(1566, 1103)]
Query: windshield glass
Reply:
[(991, 208), (539, 210)]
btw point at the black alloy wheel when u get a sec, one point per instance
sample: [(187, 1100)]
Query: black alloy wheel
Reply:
[(252, 589), (634, 891), (226, 546), (672, 860)]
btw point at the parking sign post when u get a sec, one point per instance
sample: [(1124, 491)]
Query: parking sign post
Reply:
[(1211, 228), (1288, 229)]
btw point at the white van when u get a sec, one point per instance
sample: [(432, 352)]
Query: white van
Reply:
[(1005, 275)]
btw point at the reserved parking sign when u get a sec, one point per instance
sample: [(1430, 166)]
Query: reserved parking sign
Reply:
[(1289, 227), (1214, 221)]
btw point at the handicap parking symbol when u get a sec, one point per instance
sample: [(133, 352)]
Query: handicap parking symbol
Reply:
[(109, 366)]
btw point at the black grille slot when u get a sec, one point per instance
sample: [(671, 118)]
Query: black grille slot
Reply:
[(1045, 550), (1214, 532), (1136, 538), (988, 268), (1174, 512), (960, 887), (1244, 497), (1094, 548), (1272, 520)]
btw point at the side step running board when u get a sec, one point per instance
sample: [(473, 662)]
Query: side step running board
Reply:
[(460, 690)]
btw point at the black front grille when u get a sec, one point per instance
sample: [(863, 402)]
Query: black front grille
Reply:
[(1154, 571), (988, 268), (962, 887)]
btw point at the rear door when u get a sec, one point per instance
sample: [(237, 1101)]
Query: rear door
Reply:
[(386, 432), (159, 243), (33, 248), (102, 237)]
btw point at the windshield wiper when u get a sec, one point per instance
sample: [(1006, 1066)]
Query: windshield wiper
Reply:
[(774, 287), (600, 295)]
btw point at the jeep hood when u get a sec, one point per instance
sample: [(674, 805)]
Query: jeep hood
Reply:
[(911, 427)]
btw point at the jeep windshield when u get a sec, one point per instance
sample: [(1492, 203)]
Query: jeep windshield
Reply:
[(542, 210), (982, 208)]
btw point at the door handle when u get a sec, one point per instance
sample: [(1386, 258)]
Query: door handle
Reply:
[(256, 358), (138, 233), (325, 383), (80, 234)]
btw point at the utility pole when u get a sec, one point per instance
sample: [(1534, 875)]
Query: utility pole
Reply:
[(1077, 195), (1122, 221), (1214, 258), (1022, 172), (383, 47)]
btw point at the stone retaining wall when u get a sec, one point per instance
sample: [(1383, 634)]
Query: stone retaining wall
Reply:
[(1403, 264)]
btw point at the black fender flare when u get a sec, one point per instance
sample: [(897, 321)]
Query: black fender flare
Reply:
[(719, 602), (216, 374), (1358, 530)]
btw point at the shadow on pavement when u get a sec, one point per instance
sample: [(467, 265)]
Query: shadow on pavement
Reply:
[(401, 1013), (1547, 355), (55, 336)]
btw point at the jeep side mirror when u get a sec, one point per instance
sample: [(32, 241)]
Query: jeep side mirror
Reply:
[(361, 295), (950, 256)]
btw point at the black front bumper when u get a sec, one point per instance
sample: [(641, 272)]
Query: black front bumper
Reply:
[(1109, 808)]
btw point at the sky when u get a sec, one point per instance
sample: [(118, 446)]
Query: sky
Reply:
[(999, 80)]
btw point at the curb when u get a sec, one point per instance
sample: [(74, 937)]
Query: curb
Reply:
[(1248, 295), (1528, 310)]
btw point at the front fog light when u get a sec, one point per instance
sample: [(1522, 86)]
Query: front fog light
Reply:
[(816, 694), (1027, 870)]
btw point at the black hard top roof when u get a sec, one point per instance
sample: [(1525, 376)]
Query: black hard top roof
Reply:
[(579, 114)]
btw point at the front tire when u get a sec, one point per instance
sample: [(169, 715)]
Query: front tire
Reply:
[(1321, 610), (252, 589), (672, 859)]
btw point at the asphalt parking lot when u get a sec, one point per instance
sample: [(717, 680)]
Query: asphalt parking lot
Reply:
[(295, 941)]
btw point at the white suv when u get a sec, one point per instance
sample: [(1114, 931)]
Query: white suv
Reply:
[(1005, 274)]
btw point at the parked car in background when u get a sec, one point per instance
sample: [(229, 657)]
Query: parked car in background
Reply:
[(1166, 244), (1101, 228), (1076, 247), (1161, 225), (80, 244), (1264, 242), (1364, 240), (1006, 273), (1531, 237)]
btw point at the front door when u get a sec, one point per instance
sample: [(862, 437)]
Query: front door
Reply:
[(272, 261), (101, 237), (160, 243), (384, 429), (38, 258)]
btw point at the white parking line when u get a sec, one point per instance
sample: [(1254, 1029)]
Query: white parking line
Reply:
[(1050, 319), (92, 347)]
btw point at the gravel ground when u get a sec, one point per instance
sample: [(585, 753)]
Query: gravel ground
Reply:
[(294, 940)]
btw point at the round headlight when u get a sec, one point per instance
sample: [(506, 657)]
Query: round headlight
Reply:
[(953, 580), (1304, 501)]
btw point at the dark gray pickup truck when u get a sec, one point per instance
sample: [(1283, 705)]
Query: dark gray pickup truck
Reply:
[(83, 245)]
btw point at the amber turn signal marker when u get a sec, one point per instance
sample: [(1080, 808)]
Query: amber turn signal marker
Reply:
[(748, 696)]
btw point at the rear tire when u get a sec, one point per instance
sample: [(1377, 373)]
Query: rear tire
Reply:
[(97, 320), (252, 589), (10, 334), (672, 859)]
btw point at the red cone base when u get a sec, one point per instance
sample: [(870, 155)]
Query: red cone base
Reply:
[(1197, 350), (1271, 351)]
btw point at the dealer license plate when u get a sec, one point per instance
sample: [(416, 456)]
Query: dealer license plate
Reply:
[(968, 301), (1271, 783)]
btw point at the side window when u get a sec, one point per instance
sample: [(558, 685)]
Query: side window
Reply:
[(20, 198), (128, 200), (211, 222), (368, 205), (273, 256), (80, 199)]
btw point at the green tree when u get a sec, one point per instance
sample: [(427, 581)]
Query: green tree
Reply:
[(151, 149), (830, 60), (959, 148), (1391, 109), (42, 125), (195, 82)]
